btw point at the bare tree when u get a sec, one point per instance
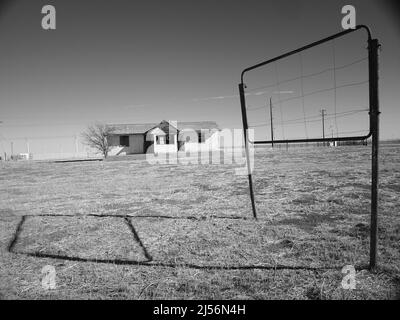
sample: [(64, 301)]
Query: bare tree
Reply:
[(97, 136)]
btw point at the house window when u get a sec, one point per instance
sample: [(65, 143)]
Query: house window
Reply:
[(124, 141), (202, 137), (160, 140), (170, 139)]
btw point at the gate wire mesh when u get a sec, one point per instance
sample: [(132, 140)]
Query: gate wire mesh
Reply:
[(314, 93)]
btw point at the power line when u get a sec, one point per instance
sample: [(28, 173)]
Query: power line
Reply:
[(256, 108), (309, 75), (327, 116), (339, 114), (280, 101), (264, 124), (312, 119), (325, 90)]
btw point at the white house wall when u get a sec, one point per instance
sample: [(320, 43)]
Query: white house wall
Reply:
[(136, 143), (211, 144), (166, 148)]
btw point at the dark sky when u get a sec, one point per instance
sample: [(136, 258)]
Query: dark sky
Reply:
[(144, 61)]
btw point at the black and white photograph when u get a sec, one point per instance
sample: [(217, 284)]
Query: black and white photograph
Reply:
[(220, 151)]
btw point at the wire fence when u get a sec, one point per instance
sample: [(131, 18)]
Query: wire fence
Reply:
[(317, 93), (45, 148)]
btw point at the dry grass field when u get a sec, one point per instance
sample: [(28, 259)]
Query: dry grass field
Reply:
[(126, 229)]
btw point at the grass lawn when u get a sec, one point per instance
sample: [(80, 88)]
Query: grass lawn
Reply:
[(128, 229)]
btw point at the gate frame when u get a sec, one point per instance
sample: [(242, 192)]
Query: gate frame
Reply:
[(373, 77)]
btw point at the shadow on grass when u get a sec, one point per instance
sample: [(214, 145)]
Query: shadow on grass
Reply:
[(181, 265), (156, 216), (149, 260)]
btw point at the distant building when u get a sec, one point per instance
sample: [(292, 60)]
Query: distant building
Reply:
[(164, 137)]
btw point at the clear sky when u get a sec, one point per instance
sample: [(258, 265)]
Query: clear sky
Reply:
[(144, 61)]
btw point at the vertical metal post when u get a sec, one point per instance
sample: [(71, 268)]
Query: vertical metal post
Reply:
[(323, 124), (246, 146), (272, 127), (373, 46)]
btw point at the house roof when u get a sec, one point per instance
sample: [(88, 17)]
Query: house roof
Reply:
[(156, 131), (142, 128), (205, 125)]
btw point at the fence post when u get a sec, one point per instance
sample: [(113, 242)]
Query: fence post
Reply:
[(246, 146), (373, 46)]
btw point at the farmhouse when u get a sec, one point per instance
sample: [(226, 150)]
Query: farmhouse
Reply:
[(164, 137)]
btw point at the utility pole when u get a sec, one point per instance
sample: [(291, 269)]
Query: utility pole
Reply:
[(27, 146), (272, 127), (323, 113)]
